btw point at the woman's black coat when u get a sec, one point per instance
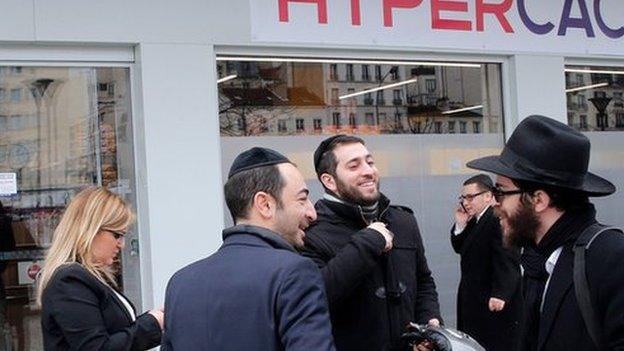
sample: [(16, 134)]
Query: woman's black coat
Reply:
[(81, 313)]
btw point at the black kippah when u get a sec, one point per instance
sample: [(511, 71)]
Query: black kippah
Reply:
[(254, 158), (321, 149)]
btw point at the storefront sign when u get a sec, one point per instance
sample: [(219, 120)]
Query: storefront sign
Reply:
[(532, 26), (8, 184)]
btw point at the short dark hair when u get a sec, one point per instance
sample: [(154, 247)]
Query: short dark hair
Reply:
[(483, 181), (560, 198), (241, 188), (328, 160)]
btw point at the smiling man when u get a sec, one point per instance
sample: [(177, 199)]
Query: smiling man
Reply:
[(256, 292), (542, 196), (377, 278)]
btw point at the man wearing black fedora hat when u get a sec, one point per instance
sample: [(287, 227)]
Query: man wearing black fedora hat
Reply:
[(573, 279)]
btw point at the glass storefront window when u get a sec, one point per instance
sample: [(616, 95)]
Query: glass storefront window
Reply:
[(596, 108), (267, 98), (421, 121), (594, 98), (61, 129)]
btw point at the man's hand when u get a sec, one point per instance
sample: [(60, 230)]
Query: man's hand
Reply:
[(461, 218), (427, 345), (380, 227), (496, 305)]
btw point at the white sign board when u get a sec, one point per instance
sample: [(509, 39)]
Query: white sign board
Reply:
[(8, 184), (530, 26)]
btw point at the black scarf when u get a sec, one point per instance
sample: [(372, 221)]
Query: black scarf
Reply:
[(565, 231)]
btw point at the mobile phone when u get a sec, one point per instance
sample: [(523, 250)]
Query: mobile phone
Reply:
[(461, 203)]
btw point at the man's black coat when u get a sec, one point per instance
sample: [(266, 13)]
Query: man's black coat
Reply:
[(355, 272), (561, 326), (487, 270)]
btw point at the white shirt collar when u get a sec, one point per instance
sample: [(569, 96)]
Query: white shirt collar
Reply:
[(482, 212), (552, 260)]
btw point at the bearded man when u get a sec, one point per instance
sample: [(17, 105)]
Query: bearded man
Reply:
[(542, 199), (376, 281)]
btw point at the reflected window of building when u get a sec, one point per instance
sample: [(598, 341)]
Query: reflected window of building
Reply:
[(462, 127), (594, 97), (262, 93), (336, 120), (16, 95), (350, 75), (365, 73), (318, 125), (438, 127), (476, 127), (59, 133), (281, 126), (352, 120), (333, 71), (451, 127), (300, 125)]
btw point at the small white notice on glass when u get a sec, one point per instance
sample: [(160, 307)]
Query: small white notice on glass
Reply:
[(8, 184)]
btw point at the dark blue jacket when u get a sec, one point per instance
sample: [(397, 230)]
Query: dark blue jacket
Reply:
[(255, 293)]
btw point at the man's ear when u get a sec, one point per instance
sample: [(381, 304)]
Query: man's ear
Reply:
[(329, 182), (264, 204), (540, 200)]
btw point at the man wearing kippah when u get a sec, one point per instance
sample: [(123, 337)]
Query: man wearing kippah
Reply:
[(573, 276), (376, 283), (256, 292)]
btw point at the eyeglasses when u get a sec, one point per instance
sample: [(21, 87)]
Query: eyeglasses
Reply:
[(500, 193), (118, 235), (470, 197)]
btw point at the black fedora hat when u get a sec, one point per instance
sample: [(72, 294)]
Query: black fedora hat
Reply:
[(544, 151)]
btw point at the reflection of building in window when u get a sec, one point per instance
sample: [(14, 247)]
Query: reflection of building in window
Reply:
[(476, 127), (583, 121), (16, 95), (394, 74), (438, 127), (334, 96), (318, 124), (333, 71), (451, 127), (365, 73), (619, 119), (431, 85), (290, 91), (281, 126), (380, 98), (352, 120), (299, 125), (336, 119), (462, 127), (350, 75), (396, 100)]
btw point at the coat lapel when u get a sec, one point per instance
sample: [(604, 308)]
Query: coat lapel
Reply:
[(476, 229), (559, 285), (121, 305)]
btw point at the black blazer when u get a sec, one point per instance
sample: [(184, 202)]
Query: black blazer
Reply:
[(81, 313)]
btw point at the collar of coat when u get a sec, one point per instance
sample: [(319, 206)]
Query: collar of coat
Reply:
[(266, 235), (339, 211)]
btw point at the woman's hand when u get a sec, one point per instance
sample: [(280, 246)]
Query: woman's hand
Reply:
[(159, 314)]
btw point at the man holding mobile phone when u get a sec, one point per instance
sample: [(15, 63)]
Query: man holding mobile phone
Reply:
[(488, 298)]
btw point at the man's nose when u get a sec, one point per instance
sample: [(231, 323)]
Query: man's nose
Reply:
[(310, 211)]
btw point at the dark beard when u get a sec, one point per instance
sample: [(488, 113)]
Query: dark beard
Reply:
[(522, 227), (351, 195)]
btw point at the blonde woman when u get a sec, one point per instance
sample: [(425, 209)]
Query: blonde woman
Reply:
[(81, 306)]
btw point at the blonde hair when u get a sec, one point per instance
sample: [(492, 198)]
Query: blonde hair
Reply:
[(92, 210)]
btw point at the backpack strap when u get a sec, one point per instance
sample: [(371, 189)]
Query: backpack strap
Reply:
[(581, 286)]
